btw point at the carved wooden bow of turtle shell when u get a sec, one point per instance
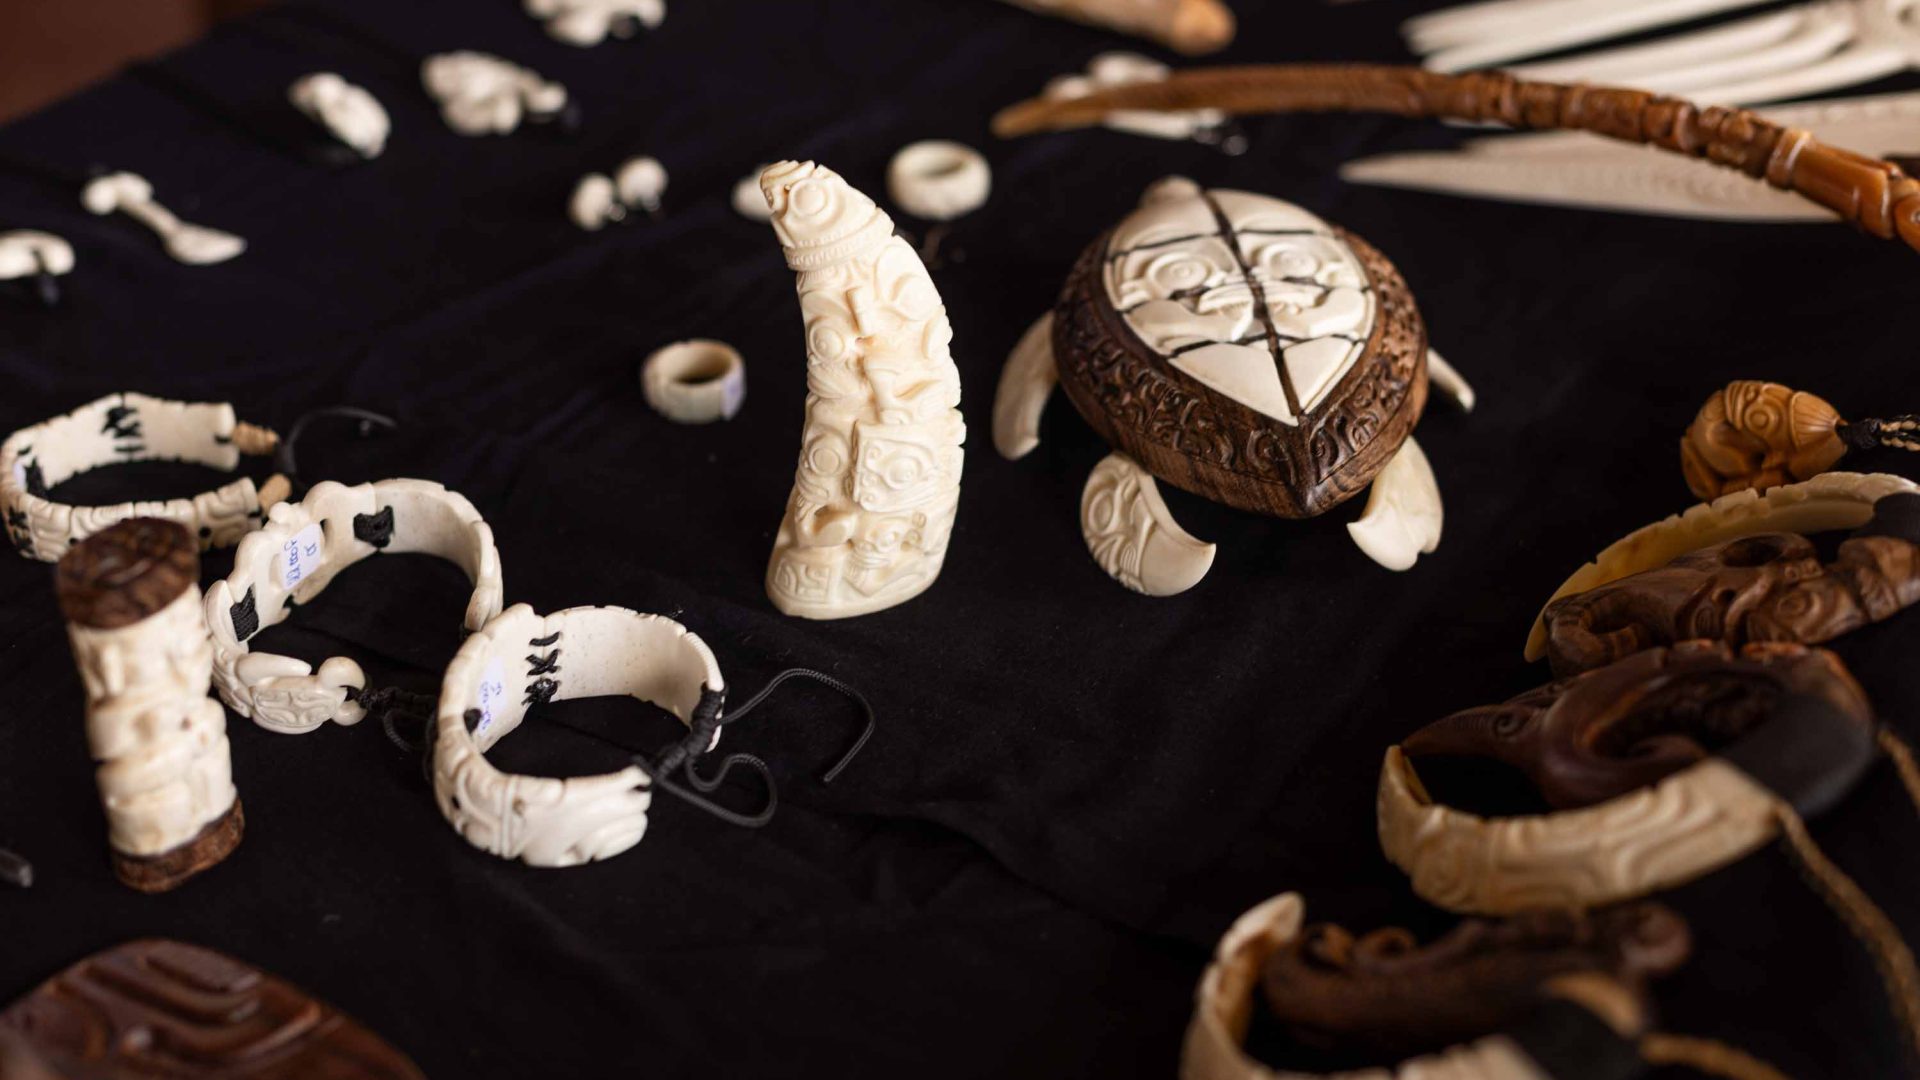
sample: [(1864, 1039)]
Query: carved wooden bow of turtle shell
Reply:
[(1875, 195)]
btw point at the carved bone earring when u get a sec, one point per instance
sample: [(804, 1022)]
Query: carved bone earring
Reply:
[(599, 200), (1754, 434), (39, 257), (1666, 766)]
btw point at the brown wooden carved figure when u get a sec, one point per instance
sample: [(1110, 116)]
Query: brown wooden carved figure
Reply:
[(1754, 434), (1604, 733), (1385, 993), (157, 1008), (1770, 587)]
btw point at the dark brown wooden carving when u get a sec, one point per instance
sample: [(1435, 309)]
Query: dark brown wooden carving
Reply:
[(1389, 995), (1874, 195), (167, 1009), (126, 572), (1753, 434), (1202, 441), (1770, 587), (173, 868), (1594, 736)]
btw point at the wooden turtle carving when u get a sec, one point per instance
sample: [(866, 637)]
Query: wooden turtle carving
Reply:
[(1238, 347)]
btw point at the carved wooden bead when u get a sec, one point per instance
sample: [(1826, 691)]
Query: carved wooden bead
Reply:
[(131, 597), (1758, 435)]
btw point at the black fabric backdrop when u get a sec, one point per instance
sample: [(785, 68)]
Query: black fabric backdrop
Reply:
[(1073, 789)]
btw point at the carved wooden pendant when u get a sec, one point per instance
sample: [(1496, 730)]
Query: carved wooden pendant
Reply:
[(1770, 587), (167, 1009), (1242, 349), (131, 598), (1754, 434), (1774, 732), (1634, 723), (1385, 993)]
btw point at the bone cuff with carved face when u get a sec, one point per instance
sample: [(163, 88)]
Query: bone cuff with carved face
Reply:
[(521, 659), (131, 598), (122, 428), (297, 554)]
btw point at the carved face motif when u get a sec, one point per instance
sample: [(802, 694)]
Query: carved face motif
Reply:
[(1252, 297), (1607, 732), (1389, 995)]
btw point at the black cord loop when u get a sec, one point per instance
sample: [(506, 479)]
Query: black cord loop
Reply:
[(391, 704), (368, 422), (709, 716)]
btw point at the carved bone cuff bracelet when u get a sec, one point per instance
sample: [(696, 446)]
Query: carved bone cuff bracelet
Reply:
[(297, 554), (521, 659), (119, 429)]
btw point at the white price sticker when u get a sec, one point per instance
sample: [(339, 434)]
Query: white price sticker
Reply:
[(491, 695), (300, 556)]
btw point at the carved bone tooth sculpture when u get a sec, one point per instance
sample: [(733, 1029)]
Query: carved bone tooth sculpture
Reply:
[(131, 598), (348, 112), (1238, 347), (131, 194), (878, 483)]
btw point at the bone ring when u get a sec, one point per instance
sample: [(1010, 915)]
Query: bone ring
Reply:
[(695, 382), (938, 180)]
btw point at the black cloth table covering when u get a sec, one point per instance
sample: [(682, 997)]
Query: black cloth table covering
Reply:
[(1074, 789)]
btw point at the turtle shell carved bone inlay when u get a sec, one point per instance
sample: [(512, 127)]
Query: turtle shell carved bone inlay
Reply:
[(1253, 297)]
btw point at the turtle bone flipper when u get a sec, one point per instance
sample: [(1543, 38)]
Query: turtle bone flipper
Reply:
[(1132, 534), (1403, 516), (1445, 378), (1026, 382)]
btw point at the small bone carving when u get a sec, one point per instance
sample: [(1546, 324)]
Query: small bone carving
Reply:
[(1770, 587), (349, 112), (878, 484), (131, 598), (1133, 536), (42, 256), (481, 94), (132, 195), (1605, 733), (1387, 994), (590, 22), (1188, 26)]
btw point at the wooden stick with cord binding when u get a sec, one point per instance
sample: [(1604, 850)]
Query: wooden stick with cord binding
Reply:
[(1873, 194)]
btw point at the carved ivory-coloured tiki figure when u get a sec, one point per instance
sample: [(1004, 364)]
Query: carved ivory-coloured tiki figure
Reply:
[(131, 598), (879, 478)]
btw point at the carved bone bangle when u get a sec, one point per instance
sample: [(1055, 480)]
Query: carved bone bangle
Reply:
[(122, 428), (131, 598), (522, 658), (1224, 1004), (938, 180), (297, 553), (695, 382)]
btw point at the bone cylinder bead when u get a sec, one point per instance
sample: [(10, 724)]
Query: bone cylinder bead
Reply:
[(131, 598)]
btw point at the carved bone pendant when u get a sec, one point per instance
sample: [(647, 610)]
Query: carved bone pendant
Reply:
[(1385, 993), (1238, 347)]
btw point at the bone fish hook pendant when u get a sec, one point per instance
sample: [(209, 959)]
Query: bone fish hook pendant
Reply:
[(878, 483)]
